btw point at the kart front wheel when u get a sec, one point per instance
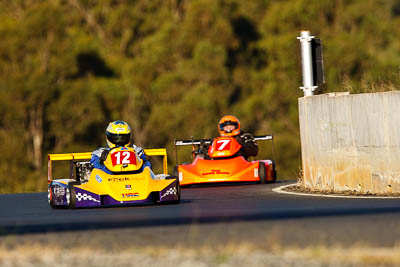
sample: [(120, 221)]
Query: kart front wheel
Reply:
[(175, 171), (262, 173), (273, 172)]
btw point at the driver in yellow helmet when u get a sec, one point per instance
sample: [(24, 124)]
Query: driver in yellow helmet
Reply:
[(118, 133)]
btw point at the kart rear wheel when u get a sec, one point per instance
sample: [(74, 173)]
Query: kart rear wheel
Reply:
[(71, 196), (50, 198), (262, 173)]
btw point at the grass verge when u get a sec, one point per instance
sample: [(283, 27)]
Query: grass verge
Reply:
[(34, 254)]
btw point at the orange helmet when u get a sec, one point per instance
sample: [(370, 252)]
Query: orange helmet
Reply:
[(229, 120)]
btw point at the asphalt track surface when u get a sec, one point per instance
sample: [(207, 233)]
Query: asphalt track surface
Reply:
[(250, 213)]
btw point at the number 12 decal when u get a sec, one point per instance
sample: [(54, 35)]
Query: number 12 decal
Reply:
[(123, 157), (223, 144)]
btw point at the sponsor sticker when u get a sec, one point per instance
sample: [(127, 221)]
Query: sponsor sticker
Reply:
[(124, 179), (214, 172), (86, 197), (137, 178), (98, 178), (128, 187), (255, 172), (130, 195), (118, 179), (171, 191), (59, 191)]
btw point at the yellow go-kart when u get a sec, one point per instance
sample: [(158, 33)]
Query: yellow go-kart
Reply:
[(127, 182)]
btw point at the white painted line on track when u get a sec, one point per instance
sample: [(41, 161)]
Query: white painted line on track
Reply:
[(281, 191)]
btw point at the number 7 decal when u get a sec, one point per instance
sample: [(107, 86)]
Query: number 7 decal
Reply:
[(223, 144)]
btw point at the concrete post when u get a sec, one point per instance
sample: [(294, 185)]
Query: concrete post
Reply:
[(306, 62)]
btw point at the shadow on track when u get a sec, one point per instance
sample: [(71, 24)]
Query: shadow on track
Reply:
[(153, 222)]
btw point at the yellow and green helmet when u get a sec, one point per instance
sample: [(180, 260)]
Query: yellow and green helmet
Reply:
[(118, 133)]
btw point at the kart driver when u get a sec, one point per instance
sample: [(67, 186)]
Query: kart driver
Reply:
[(229, 126), (118, 134)]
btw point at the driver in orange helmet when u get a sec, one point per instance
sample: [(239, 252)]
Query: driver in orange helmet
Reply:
[(230, 126)]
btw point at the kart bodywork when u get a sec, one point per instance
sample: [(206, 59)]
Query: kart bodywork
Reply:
[(127, 182), (221, 165)]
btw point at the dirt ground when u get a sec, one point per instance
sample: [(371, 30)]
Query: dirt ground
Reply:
[(102, 248)]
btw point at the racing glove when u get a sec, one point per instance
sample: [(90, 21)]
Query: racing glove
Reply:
[(240, 140), (103, 156), (140, 151), (247, 138)]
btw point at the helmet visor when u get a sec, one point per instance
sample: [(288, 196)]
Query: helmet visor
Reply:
[(119, 139), (222, 125)]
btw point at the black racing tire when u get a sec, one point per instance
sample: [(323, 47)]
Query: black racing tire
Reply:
[(262, 173), (155, 197), (71, 196), (177, 187), (175, 171), (273, 172), (50, 198)]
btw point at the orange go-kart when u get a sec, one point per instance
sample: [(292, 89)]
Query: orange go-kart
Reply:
[(221, 165)]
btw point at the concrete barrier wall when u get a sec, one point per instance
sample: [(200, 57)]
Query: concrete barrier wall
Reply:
[(351, 142)]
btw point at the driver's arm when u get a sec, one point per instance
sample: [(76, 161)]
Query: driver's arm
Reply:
[(249, 145), (99, 156)]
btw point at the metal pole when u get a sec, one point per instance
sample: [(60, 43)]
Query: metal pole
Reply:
[(306, 63)]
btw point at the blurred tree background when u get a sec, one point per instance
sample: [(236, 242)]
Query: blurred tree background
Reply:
[(172, 69)]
